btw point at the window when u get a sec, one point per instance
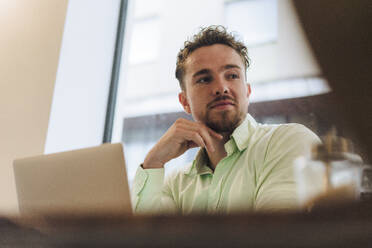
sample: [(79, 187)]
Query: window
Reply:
[(145, 35), (145, 41), (256, 20)]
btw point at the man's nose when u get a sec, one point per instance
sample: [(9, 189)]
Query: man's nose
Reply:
[(220, 87)]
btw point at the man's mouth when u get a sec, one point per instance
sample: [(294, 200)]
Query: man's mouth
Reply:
[(221, 102)]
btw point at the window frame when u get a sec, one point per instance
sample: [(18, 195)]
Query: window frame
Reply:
[(114, 82)]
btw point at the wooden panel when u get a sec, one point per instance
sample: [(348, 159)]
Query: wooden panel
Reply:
[(341, 226), (339, 31)]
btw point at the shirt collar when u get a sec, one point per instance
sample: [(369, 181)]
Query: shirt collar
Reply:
[(239, 140), (243, 133)]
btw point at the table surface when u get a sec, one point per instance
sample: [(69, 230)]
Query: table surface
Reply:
[(348, 225)]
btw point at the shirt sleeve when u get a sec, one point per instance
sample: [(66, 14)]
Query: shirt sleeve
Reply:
[(150, 195), (276, 187)]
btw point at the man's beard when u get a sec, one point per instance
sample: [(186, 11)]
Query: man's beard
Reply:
[(226, 122)]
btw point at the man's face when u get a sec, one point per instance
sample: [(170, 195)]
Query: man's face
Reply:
[(216, 92)]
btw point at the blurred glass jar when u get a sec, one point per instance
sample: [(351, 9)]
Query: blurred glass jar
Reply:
[(332, 174), (366, 183)]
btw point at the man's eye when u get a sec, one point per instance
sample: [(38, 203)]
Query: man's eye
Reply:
[(204, 80), (232, 76)]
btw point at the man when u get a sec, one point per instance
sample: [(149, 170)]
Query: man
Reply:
[(242, 165)]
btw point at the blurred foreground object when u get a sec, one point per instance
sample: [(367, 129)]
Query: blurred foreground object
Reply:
[(333, 174), (339, 32)]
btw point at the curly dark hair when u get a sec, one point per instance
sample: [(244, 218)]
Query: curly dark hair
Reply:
[(215, 34)]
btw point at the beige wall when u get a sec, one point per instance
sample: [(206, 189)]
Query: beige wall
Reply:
[(30, 40), (289, 57)]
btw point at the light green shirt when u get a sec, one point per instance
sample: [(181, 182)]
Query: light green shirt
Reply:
[(256, 174)]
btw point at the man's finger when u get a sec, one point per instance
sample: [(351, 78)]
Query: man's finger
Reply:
[(211, 131), (215, 134), (191, 144), (203, 133), (207, 138), (194, 137)]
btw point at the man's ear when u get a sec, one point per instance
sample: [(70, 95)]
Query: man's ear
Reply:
[(248, 90), (183, 100)]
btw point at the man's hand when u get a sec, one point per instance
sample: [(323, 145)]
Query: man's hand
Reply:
[(180, 137)]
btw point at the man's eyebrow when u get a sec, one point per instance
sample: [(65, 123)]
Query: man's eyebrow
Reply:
[(201, 72), (207, 71), (229, 66)]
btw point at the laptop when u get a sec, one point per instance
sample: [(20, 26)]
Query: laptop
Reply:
[(91, 181)]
